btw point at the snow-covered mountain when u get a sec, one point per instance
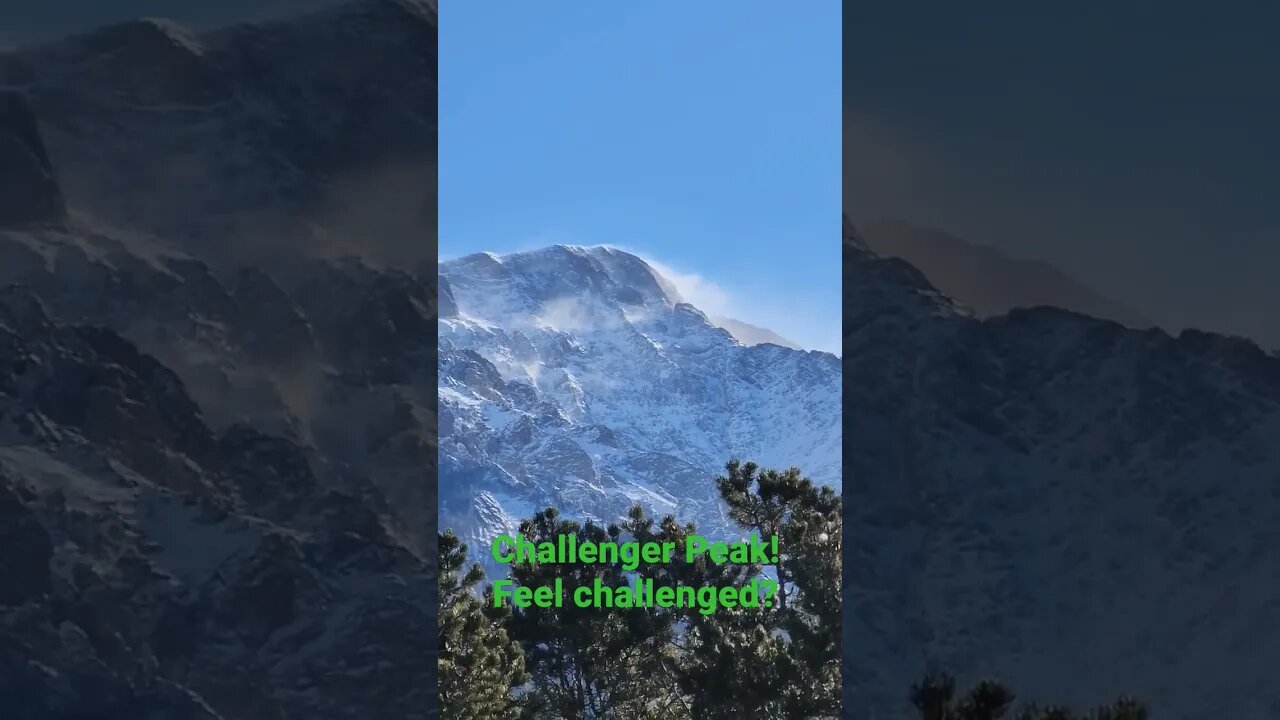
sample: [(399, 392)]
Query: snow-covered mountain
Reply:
[(250, 141), (217, 426), (989, 281), (217, 398), (749, 334), (578, 377), (1080, 509)]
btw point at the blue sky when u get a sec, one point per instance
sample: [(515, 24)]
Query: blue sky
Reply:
[(705, 136), (1131, 144)]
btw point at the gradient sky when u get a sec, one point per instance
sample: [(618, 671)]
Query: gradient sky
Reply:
[(1131, 144), (703, 135)]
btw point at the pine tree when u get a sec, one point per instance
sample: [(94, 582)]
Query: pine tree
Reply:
[(726, 665), (932, 696), (772, 663), (808, 519), (781, 662), (934, 699), (589, 663), (1050, 712), (1125, 708), (479, 666), (988, 700)]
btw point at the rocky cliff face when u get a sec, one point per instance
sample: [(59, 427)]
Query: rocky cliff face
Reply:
[(579, 378), (217, 393), (1081, 509)]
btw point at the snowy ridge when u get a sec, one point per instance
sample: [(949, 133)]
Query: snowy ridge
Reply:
[(578, 377), (217, 426), (1077, 508)]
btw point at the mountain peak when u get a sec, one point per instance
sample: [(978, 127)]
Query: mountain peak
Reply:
[(267, 142), (749, 334), (148, 35), (988, 280), (576, 376), (489, 287)]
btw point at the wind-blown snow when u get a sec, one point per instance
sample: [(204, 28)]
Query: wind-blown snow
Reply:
[(579, 378)]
